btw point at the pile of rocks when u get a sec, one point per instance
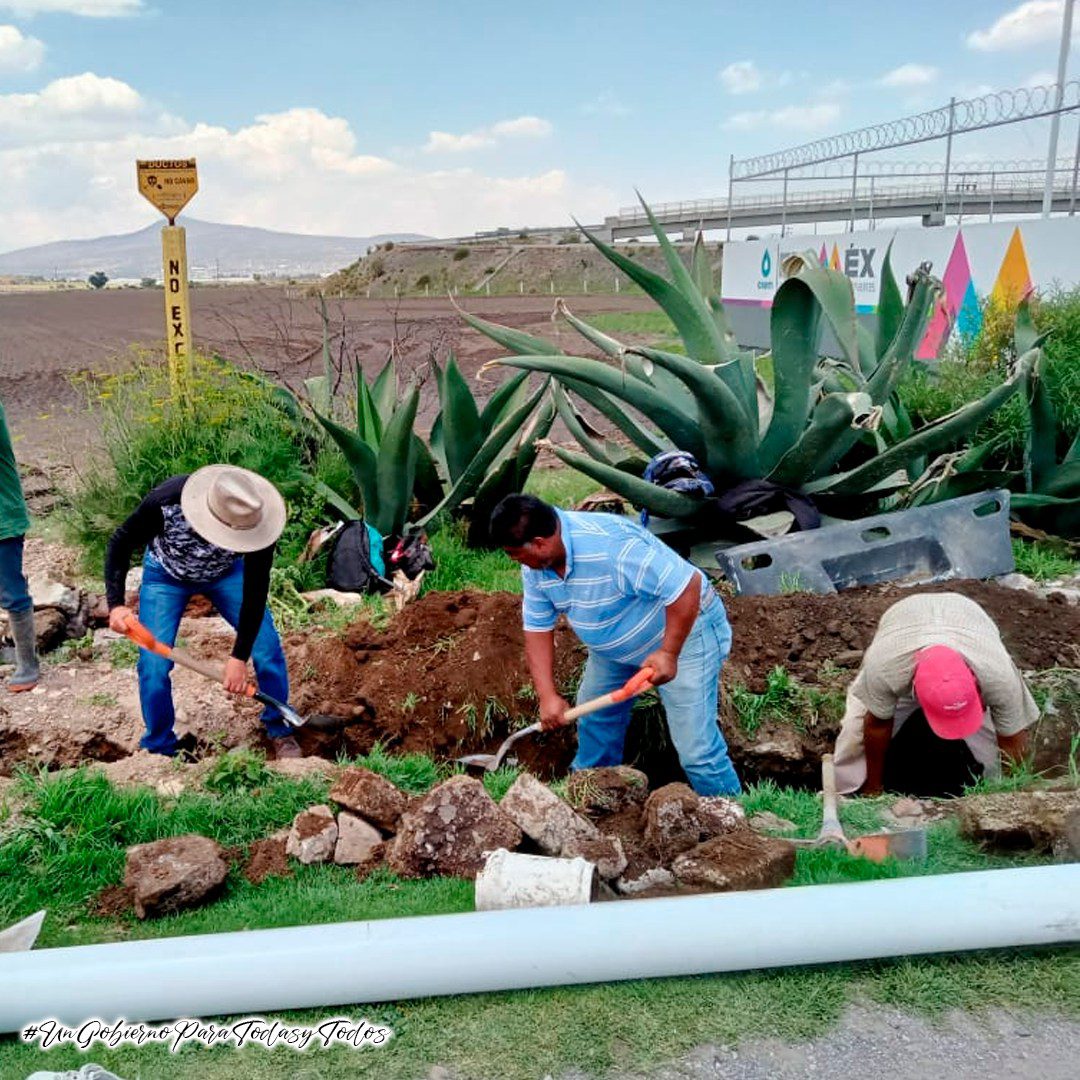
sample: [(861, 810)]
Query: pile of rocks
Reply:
[(642, 844), (61, 612)]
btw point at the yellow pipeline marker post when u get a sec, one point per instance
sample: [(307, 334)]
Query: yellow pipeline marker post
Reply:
[(169, 185)]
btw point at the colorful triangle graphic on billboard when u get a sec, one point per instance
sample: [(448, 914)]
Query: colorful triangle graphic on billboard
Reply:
[(823, 256), (834, 262), (959, 306), (1014, 276)]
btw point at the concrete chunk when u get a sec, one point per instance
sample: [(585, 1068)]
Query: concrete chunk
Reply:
[(313, 835), (542, 816)]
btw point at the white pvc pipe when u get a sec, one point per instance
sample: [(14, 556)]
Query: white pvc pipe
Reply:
[(511, 880), (393, 959)]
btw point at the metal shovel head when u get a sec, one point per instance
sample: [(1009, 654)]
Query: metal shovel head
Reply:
[(21, 936), (487, 762), (905, 844)]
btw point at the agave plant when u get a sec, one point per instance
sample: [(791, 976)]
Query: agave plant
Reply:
[(831, 428), (474, 453)]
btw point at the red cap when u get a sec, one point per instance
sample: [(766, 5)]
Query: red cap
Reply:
[(946, 689)]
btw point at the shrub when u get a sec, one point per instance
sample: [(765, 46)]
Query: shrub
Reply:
[(461, 253), (232, 416)]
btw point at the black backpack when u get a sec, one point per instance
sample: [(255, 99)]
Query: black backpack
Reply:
[(353, 565)]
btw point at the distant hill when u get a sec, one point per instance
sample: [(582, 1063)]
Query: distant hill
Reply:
[(214, 251)]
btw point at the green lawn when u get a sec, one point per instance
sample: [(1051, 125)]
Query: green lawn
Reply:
[(75, 826)]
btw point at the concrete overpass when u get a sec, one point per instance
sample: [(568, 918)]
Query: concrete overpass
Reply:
[(977, 196)]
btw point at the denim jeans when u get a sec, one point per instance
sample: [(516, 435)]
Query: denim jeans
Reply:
[(690, 702), (14, 592), (162, 600)]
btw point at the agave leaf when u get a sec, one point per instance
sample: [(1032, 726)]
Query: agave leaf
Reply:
[(794, 328), (509, 395), (886, 377), (517, 341), (592, 441), (369, 425), (679, 426), (723, 324), (470, 480), (821, 444), (837, 299), (427, 487), (361, 460), (697, 327), (701, 268), (890, 308), (1063, 482), (396, 467), (1073, 453), (1030, 501), (1025, 336), (384, 390), (511, 471), (657, 500), (648, 441), (955, 485), (729, 434), (438, 445), (341, 505), (605, 344), (461, 430), (1040, 451), (933, 437)]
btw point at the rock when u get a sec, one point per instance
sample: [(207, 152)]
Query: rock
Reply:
[(737, 860), (671, 821), (1018, 819), (717, 815), (90, 1071), (1067, 845), (448, 830), (173, 874), (53, 594), (356, 841), (653, 878), (50, 626), (907, 808), (542, 816), (1017, 581), (299, 768), (313, 835), (268, 858), (605, 853), (607, 790), (371, 796), (1068, 596), (767, 821), (334, 596)]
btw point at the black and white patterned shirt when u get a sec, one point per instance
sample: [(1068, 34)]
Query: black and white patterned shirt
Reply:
[(158, 523)]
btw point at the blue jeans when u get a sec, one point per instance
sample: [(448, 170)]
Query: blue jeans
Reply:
[(14, 592), (690, 702), (162, 600)]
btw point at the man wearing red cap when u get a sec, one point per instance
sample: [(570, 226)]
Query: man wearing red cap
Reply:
[(936, 704)]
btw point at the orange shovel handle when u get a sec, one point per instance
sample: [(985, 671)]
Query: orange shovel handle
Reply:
[(636, 684)]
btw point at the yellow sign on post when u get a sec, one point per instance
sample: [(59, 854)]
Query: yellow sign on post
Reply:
[(169, 185)]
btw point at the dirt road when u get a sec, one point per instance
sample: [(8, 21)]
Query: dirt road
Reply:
[(45, 338)]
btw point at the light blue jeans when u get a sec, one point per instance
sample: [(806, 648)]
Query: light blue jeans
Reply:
[(162, 600), (690, 701)]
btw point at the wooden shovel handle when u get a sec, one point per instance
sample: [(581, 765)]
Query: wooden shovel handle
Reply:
[(635, 685), (208, 668), (830, 820)]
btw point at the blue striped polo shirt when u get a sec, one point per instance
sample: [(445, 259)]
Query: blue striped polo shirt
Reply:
[(619, 579)]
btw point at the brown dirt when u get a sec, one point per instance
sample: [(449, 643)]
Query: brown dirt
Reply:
[(112, 902), (267, 859)]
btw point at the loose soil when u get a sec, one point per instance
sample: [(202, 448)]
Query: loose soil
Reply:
[(448, 677), (267, 859)]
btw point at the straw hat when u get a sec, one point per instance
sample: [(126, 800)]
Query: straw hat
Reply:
[(235, 508)]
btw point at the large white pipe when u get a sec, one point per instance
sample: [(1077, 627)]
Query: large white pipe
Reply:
[(393, 959)]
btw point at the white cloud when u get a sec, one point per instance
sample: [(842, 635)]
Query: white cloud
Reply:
[(1040, 78), (529, 127), (1033, 22), (742, 77), (19, 54), (805, 118), (606, 103), (94, 9), (909, 76), (298, 170)]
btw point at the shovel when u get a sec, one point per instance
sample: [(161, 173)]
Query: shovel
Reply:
[(877, 847), (146, 640), (635, 685)]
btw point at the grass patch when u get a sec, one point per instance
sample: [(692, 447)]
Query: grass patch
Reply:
[(785, 700), (71, 842), (457, 566), (1042, 562)]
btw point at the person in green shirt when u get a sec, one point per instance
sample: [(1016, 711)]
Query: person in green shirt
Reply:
[(14, 592)]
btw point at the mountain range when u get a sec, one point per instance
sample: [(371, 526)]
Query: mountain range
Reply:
[(214, 251)]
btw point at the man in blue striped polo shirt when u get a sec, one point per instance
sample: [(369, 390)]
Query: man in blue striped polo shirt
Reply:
[(633, 603)]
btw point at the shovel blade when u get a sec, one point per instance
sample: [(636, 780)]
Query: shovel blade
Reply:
[(487, 762), (877, 847), (21, 936)]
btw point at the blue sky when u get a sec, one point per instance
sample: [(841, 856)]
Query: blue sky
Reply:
[(357, 118)]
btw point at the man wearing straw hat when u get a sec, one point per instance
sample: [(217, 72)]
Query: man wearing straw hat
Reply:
[(213, 534)]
